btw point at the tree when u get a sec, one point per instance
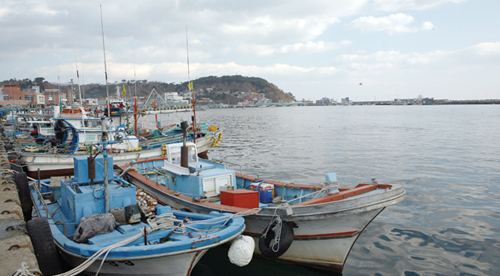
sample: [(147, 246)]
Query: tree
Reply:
[(39, 81)]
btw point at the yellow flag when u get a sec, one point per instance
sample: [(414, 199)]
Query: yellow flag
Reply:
[(124, 91), (190, 85)]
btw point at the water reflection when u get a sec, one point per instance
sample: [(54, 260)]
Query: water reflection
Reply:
[(448, 157)]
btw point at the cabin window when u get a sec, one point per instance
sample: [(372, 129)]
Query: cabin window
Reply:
[(192, 154), (176, 155)]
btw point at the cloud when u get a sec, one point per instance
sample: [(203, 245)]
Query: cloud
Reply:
[(487, 48), (392, 24), (269, 29), (309, 47), (389, 60), (396, 5)]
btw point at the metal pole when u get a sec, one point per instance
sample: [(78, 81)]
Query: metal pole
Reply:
[(106, 179)]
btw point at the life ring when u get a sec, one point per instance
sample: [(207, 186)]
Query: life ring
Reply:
[(44, 246), (276, 240)]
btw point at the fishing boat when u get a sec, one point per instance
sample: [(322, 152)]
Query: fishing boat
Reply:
[(80, 135), (95, 224), (318, 224)]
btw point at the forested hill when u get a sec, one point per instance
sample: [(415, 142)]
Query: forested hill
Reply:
[(211, 87)]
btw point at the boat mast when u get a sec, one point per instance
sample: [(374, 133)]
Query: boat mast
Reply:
[(190, 86), (59, 84), (105, 68), (135, 101), (76, 63), (82, 109), (109, 114)]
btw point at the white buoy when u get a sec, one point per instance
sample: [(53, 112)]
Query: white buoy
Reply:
[(241, 251)]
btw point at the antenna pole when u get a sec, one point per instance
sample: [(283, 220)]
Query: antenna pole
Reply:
[(187, 51), (193, 100), (105, 68)]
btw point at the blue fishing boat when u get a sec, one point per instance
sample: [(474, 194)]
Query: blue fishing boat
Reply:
[(93, 221)]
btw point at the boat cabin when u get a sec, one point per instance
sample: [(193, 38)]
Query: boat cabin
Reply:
[(81, 197), (201, 179)]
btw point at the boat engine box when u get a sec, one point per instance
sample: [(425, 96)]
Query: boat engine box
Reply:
[(240, 198), (266, 191)]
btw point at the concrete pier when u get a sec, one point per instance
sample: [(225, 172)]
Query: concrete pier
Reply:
[(15, 244)]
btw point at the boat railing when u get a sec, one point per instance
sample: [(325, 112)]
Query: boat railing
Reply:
[(323, 190), (157, 172), (227, 162), (34, 186)]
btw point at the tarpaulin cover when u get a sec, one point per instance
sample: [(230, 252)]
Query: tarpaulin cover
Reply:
[(93, 225)]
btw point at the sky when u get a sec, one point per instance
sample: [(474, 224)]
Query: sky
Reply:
[(361, 49)]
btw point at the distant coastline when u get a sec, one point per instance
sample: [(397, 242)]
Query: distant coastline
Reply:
[(433, 102)]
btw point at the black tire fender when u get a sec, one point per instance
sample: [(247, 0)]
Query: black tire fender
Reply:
[(268, 235), (16, 166), (44, 246), (8, 147), (23, 190), (12, 155)]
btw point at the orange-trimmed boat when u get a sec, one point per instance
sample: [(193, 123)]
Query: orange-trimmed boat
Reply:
[(311, 225)]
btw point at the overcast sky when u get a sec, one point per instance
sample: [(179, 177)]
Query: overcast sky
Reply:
[(445, 49)]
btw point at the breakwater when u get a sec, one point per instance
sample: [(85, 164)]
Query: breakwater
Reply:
[(16, 250)]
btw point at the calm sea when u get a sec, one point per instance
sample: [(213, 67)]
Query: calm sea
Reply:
[(448, 158)]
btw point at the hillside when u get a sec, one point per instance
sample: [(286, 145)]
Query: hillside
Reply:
[(212, 87)]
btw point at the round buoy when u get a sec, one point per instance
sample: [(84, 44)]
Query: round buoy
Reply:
[(276, 238), (241, 251)]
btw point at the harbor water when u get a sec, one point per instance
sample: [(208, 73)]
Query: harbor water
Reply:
[(448, 158)]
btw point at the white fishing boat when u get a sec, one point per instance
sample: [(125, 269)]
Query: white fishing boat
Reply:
[(56, 159), (318, 223)]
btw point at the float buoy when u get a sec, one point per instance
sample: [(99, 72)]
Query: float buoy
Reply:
[(276, 238), (241, 251)]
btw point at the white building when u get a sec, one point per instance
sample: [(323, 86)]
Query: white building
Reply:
[(172, 98)]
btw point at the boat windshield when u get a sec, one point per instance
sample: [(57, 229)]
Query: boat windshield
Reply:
[(175, 154)]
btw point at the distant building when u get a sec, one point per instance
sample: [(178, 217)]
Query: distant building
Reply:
[(345, 101), (52, 96), (173, 98), (14, 95), (324, 101)]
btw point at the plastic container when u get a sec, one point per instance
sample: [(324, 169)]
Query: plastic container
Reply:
[(266, 191), (240, 198), (212, 128)]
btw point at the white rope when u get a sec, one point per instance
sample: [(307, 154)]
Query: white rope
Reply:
[(23, 271), (277, 232)]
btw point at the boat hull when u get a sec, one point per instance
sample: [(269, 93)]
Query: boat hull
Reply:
[(62, 164), (165, 265), (324, 233)]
